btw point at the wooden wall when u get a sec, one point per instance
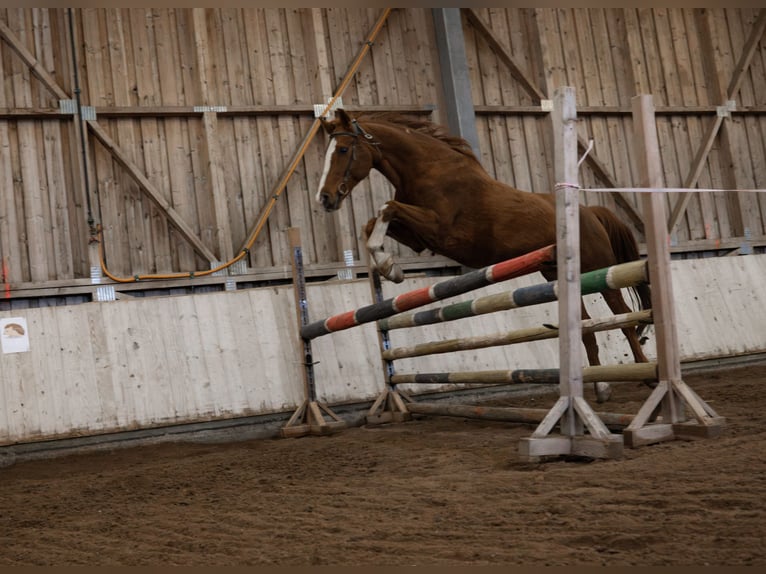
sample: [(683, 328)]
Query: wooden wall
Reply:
[(136, 364), (199, 112)]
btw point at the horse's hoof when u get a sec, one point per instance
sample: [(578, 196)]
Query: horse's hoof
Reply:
[(388, 268), (603, 392), (395, 274)]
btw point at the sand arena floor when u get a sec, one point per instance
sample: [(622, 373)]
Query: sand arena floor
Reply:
[(430, 491)]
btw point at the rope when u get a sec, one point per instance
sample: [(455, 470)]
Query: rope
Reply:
[(266, 211)]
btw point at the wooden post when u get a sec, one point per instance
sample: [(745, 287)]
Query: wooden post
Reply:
[(309, 417), (571, 409), (671, 394), (390, 405)]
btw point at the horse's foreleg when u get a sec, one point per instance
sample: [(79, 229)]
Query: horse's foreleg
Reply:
[(603, 389), (375, 232), (407, 224)]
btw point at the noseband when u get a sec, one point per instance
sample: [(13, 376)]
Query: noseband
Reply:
[(343, 189)]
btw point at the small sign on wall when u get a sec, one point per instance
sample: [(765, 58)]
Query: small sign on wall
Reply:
[(14, 335)]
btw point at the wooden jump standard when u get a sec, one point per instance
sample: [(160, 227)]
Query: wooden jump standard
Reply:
[(571, 412), (309, 417), (393, 403)]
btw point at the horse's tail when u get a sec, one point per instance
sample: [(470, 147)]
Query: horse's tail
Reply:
[(625, 248)]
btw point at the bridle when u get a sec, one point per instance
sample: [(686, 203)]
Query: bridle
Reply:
[(343, 189)]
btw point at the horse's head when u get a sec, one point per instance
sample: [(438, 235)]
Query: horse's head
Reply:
[(349, 158)]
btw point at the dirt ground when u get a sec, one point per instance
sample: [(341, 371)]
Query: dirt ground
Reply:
[(429, 491)]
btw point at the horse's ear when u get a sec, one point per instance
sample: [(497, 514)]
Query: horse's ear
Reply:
[(343, 117), (328, 127)]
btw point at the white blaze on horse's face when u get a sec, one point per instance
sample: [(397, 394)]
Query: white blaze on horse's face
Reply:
[(327, 164)]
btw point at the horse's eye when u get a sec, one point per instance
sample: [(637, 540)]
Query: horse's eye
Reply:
[(342, 149)]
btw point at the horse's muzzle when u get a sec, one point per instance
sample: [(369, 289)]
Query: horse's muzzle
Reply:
[(329, 202)]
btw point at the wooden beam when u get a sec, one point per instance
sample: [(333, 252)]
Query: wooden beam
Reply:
[(34, 64), (701, 156), (152, 192), (518, 73), (454, 72), (599, 169)]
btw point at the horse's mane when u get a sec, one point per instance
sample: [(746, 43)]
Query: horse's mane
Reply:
[(422, 126)]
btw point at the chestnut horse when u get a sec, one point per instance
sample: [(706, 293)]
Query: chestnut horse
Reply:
[(446, 202)]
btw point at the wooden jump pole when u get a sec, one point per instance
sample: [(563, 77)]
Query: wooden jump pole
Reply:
[(618, 373), (513, 337), (614, 277), (520, 415), (571, 412), (471, 281)]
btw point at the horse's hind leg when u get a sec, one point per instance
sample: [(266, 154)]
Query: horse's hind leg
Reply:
[(617, 304), (602, 389)]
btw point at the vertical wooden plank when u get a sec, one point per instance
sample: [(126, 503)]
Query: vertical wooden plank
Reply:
[(609, 36), (196, 386), (109, 398), (51, 166), (10, 251), (241, 175), (31, 183), (118, 343), (179, 177), (201, 54), (285, 140), (222, 232), (95, 93), (147, 60), (525, 152), (737, 129), (266, 174), (48, 384), (593, 92), (77, 389), (216, 384)]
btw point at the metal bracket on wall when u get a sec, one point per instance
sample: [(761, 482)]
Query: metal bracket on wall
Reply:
[(725, 110), (319, 109), (203, 109), (69, 107)]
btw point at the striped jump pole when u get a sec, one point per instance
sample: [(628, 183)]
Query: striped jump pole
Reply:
[(614, 277), (523, 265), (638, 372)]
